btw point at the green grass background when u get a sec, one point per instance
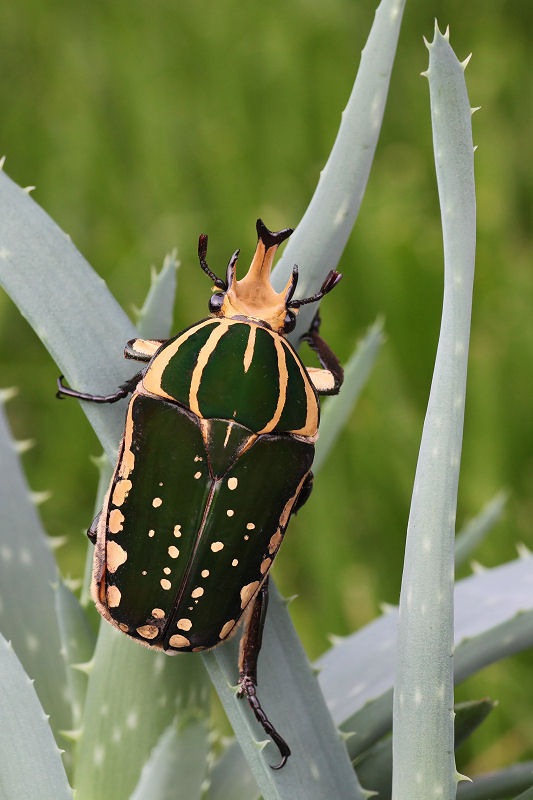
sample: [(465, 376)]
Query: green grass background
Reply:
[(143, 124)]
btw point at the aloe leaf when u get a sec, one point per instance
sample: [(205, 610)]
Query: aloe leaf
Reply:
[(317, 243), (154, 320), (500, 785), (67, 304), (132, 697), (177, 765), (423, 695), (337, 410), (319, 766), (77, 645), (527, 795), (476, 529), (493, 618), (30, 759), (374, 769), (230, 777), (27, 573)]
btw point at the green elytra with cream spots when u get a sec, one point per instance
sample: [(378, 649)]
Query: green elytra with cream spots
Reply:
[(216, 455)]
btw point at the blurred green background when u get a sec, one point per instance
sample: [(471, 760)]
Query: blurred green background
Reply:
[(143, 124)]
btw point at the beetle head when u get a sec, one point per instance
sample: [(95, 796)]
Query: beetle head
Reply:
[(253, 296)]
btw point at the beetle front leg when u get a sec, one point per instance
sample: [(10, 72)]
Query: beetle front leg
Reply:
[(124, 390), (248, 655), (333, 374)]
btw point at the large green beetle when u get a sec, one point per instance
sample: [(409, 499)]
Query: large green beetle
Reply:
[(216, 455)]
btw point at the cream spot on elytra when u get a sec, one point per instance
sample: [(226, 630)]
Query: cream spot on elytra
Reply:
[(120, 492), (230, 512), (151, 533), (205, 573), (216, 546), (232, 483), (156, 502), (197, 475), (173, 551), (158, 613), (247, 592), (177, 531), (250, 526), (116, 556), (113, 596), (167, 570), (198, 592), (184, 624), (148, 631), (234, 562), (226, 628), (178, 641), (165, 584), (116, 518)]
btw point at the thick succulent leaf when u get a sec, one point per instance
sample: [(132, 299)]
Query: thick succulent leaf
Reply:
[(30, 760), (67, 304), (500, 785), (423, 695), (132, 697), (476, 529), (336, 410), (177, 765), (493, 618), (154, 320), (317, 243), (27, 574), (90, 360), (230, 777), (319, 766), (527, 795), (375, 767), (78, 641)]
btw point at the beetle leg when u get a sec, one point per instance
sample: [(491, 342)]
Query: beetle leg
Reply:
[(324, 383), (91, 533), (124, 390), (305, 492), (248, 655)]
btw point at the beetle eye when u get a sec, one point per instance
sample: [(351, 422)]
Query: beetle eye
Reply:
[(215, 302), (289, 323)]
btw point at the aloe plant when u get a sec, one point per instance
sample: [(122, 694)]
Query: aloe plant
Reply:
[(136, 724)]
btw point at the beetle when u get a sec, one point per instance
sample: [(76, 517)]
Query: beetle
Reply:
[(215, 457)]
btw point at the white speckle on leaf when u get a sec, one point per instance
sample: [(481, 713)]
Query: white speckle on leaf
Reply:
[(131, 720), (99, 755)]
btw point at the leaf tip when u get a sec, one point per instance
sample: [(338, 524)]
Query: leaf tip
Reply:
[(466, 62)]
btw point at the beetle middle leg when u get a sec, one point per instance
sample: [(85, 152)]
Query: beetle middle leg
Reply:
[(248, 655), (124, 390)]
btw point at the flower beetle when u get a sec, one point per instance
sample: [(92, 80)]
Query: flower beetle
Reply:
[(216, 455)]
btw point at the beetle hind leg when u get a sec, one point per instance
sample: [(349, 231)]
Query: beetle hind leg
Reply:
[(249, 652)]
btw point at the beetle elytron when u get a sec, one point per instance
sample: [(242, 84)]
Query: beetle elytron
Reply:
[(216, 455)]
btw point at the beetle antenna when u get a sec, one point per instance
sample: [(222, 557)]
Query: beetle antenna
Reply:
[(202, 252), (331, 281)]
